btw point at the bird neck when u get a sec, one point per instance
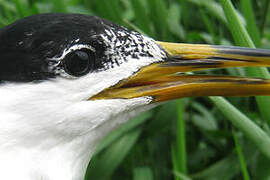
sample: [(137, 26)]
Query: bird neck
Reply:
[(63, 161), (45, 135)]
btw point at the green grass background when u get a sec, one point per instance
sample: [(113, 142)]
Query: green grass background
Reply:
[(191, 138)]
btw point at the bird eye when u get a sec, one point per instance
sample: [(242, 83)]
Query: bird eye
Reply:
[(79, 63)]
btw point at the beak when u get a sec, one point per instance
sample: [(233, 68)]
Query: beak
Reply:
[(165, 80)]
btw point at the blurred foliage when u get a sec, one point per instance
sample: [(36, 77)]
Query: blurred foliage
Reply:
[(187, 139)]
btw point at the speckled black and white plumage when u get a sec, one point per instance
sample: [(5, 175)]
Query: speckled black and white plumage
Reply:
[(33, 48)]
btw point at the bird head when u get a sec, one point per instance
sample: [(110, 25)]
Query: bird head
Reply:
[(60, 69), (70, 79)]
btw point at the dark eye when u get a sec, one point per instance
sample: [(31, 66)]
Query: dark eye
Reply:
[(79, 63)]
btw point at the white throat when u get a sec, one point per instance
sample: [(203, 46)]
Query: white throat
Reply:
[(54, 137)]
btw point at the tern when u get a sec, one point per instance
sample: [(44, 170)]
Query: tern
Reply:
[(67, 80)]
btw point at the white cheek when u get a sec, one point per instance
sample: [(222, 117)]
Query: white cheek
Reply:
[(90, 115), (94, 83)]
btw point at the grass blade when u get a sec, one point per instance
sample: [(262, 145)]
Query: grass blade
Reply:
[(142, 173), (103, 166), (159, 16), (264, 16), (226, 168), (209, 25), (242, 38), (246, 125), (213, 7), (262, 168), (110, 10), (185, 13), (142, 20), (175, 162), (59, 6), (113, 136), (179, 155), (251, 22), (21, 9), (241, 157), (181, 140), (181, 176), (174, 17), (238, 31)]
